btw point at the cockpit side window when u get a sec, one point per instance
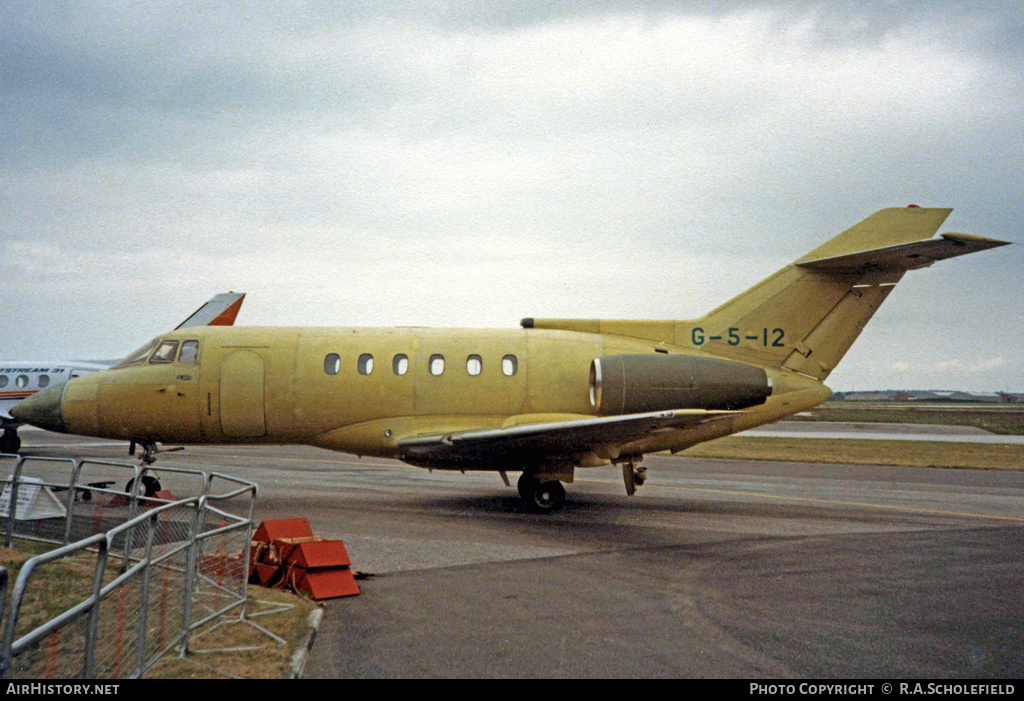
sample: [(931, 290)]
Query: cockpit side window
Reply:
[(139, 356), (165, 353), (189, 352)]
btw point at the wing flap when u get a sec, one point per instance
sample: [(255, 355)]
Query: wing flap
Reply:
[(551, 440)]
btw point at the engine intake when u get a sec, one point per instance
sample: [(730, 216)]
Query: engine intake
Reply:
[(632, 384)]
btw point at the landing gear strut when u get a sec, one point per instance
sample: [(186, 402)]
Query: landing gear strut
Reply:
[(150, 450), (633, 476), (150, 484), (542, 495), (9, 442)]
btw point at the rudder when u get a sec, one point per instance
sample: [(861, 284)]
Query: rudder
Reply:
[(806, 316)]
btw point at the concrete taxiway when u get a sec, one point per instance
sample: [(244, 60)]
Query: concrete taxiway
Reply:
[(716, 568)]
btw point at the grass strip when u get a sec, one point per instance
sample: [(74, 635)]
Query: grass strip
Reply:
[(233, 649), (1003, 419), (983, 456)]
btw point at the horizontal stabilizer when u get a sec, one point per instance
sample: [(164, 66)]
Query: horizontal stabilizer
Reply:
[(908, 256)]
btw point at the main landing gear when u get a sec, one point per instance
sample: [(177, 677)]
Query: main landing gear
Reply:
[(542, 494), (542, 491)]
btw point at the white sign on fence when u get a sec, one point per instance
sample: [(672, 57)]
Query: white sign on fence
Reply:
[(34, 501)]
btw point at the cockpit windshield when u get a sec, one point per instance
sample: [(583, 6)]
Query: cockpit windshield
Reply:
[(139, 356), (165, 353)]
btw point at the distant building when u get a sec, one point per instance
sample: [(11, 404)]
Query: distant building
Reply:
[(902, 395)]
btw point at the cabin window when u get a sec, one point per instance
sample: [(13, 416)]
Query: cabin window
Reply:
[(3, 380), (44, 380), (22, 381), (189, 352), (509, 365), (474, 364), (365, 364), (436, 364), (165, 353), (332, 363), (139, 356), (400, 364)]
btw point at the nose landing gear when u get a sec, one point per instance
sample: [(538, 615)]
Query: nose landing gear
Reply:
[(150, 451), (150, 484)]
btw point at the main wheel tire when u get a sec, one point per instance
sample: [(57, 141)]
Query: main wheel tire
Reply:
[(547, 497), (527, 485)]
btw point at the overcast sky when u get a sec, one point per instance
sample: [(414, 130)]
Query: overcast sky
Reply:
[(470, 164)]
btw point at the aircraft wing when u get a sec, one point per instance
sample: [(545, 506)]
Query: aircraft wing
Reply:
[(498, 448)]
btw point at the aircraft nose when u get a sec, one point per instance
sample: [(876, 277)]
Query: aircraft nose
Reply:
[(42, 409)]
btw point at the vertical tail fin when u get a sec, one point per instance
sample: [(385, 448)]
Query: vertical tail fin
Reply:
[(807, 315), (221, 310)]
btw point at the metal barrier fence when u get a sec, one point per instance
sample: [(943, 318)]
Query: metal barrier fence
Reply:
[(154, 570)]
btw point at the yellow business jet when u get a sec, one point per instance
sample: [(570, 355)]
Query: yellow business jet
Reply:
[(544, 399)]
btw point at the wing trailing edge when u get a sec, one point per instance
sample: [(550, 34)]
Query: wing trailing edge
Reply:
[(571, 438)]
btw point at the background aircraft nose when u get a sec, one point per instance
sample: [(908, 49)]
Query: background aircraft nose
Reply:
[(42, 409)]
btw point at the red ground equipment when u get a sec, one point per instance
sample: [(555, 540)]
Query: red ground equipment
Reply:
[(286, 554)]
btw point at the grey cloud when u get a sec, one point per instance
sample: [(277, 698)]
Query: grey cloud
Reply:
[(402, 153)]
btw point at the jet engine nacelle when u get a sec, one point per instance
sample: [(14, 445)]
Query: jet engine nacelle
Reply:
[(632, 384)]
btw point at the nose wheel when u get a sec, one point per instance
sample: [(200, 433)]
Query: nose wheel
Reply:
[(541, 496), (150, 485)]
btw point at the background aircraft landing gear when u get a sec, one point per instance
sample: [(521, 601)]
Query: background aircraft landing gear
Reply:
[(541, 495), (9, 442)]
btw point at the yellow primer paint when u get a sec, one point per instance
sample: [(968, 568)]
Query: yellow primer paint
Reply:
[(546, 398)]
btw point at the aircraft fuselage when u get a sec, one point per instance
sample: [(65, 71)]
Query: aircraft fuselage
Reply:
[(360, 390)]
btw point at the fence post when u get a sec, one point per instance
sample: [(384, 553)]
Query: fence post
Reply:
[(133, 511), (140, 631), (12, 505), (5, 650), (92, 623), (190, 574), (76, 471)]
